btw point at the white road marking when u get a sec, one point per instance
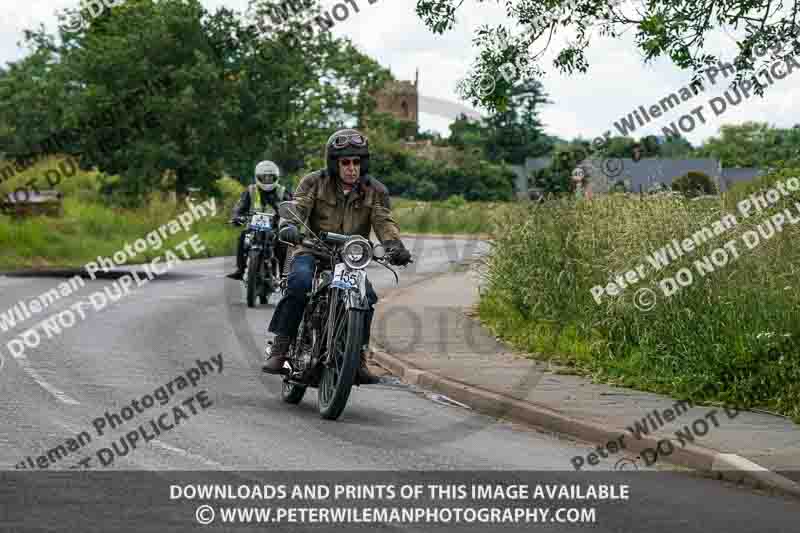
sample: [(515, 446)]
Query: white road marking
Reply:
[(60, 396), (165, 446), (189, 455)]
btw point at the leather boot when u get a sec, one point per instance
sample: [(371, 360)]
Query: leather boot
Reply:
[(365, 377), (276, 353), (238, 275)]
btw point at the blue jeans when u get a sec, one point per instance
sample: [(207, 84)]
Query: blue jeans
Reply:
[(289, 311)]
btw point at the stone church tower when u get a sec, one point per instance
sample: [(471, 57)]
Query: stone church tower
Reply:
[(400, 99)]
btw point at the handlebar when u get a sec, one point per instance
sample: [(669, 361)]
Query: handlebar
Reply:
[(336, 238)]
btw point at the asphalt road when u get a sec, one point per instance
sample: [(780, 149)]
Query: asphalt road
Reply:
[(148, 338)]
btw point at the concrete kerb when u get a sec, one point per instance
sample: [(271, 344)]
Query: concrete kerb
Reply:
[(730, 467), (450, 237)]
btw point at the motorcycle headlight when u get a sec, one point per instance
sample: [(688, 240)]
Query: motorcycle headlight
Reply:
[(357, 253)]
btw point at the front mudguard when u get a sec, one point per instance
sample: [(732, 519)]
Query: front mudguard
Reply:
[(356, 298)]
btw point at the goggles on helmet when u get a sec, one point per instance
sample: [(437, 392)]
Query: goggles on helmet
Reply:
[(355, 139)]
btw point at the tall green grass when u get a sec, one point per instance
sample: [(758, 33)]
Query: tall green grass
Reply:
[(454, 215), (732, 336)]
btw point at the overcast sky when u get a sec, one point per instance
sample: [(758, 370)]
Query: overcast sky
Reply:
[(583, 104)]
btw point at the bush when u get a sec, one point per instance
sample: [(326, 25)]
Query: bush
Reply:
[(230, 189), (426, 190), (414, 177), (694, 184), (456, 201), (705, 342)]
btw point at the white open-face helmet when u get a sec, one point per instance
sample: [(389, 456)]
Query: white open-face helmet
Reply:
[(266, 175)]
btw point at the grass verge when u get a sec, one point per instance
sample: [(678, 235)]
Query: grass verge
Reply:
[(452, 216), (89, 228), (731, 336)]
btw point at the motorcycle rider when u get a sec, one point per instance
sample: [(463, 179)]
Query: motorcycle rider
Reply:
[(264, 191), (340, 198)]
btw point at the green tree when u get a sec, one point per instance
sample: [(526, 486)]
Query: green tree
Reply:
[(510, 135), (556, 178), (677, 29), (620, 147), (231, 91), (469, 135), (752, 144), (516, 131), (676, 147)]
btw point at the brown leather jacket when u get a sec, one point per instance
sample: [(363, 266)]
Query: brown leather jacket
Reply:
[(324, 207)]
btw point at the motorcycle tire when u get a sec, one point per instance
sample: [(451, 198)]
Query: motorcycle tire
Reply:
[(252, 278), (334, 387)]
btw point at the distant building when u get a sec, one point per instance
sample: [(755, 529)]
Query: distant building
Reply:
[(644, 175), (732, 176), (606, 175), (400, 99), (520, 181)]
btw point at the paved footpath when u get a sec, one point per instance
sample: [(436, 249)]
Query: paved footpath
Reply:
[(436, 343)]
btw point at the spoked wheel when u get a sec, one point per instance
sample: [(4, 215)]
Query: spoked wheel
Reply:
[(291, 393), (339, 375), (251, 279)]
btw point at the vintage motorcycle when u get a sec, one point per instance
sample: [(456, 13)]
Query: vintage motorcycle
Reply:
[(262, 268), (326, 353)]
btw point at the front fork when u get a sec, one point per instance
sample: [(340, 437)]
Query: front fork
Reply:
[(353, 299)]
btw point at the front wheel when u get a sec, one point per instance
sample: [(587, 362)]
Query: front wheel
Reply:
[(252, 278), (338, 377)]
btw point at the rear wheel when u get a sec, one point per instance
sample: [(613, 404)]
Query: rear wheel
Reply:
[(338, 377), (252, 278)]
